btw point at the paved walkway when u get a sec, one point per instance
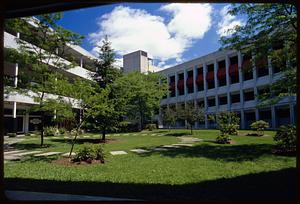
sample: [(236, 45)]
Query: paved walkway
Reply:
[(28, 196), (185, 141)]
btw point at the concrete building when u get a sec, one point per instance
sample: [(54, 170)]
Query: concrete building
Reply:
[(137, 61), (17, 117), (226, 81)]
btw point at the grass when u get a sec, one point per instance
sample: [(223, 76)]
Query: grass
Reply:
[(205, 171)]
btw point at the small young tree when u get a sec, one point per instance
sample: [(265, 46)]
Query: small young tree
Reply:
[(106, 73), (259, 126), (228, 124), (102, 112), (191, 115), (169, 117)]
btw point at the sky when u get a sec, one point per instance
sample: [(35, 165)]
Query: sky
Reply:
[(170, 33)]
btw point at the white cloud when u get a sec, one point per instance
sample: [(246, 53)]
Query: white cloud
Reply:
[(135, 29), (227, 23)]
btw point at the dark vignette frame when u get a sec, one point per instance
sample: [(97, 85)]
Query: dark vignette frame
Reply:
[(14, 8)]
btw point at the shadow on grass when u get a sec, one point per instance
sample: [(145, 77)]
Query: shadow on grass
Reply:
[(177, 134), (30, 146), (223, 152), (274, 185), (85, 140)]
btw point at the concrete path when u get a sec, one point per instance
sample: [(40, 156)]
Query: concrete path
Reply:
[(47, 154), (139, 151), (118, 152), (28, 196), (67, 154)]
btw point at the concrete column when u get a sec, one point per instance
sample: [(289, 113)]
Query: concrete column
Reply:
[(240, 58), (81, 62), (16, 74), (185, 76), (18, 35), (242, 119), (26, 122), (206, 121), (168, 82), (195, 106), (194, 79), (160, 124), (15, 122), (215, 73), (227, 63), (204, 78), (273, 114), (176, 81)]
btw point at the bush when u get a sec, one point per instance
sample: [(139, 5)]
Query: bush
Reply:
[(62, 131), (223, 138), (150, 127), (227, 122), (51, 131), (285, 139), (89, 152), (27, 134), (12, 134), (259, 126)]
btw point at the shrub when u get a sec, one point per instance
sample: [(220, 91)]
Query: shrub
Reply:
[(150, 127), (12, 134), (259, 126), (223, 138), (89, 152), (62, 131), (51, 131), (27, 134), (227, 122), (99, 153), (285, 139)]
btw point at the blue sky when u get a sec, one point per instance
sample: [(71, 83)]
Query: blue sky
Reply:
[(170, 33)]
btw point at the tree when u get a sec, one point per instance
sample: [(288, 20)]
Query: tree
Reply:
[(102, 112), (169, 117), (272, 29), (191, 115), (106, 73), (139, 94), (42, 49)]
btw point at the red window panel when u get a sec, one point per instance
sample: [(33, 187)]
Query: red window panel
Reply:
[(180, 84), (190, 82), (221, 73), (233, 70), (210, 76), (247, 64), (199, 79)]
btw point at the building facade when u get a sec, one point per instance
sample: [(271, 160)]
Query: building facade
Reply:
[(17, 117), (226, 81)]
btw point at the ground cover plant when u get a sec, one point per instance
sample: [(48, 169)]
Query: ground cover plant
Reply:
[(195, 172)]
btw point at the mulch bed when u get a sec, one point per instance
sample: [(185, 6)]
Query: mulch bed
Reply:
[(67, 162)]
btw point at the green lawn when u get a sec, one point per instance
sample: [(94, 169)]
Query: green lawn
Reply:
[(244, 170)]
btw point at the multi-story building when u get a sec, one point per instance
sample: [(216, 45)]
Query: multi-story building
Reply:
[(227, 81), (138, 61), (17, 117)]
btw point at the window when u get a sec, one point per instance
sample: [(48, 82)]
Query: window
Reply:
[(222, 100), (190, 81), (235, 98), (201, 103), (180, 84), (199, 79), (211, 102), (247, 67), (172, 86), (248, 95)]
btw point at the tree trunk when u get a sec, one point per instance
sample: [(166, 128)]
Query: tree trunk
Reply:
[(42, 128), (141, 120), (191, 129), (103, 135)]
